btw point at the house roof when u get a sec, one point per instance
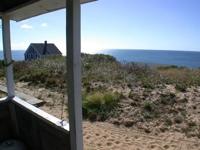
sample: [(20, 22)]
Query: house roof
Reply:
[(51, 48), (23, 9)]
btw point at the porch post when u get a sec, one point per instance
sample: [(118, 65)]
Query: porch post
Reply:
[(74, 74), (8, 56)]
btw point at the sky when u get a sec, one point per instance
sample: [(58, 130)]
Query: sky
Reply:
[(118, 24)]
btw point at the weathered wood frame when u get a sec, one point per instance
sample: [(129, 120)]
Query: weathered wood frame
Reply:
[(8, 56), (73, 67), (74, 73)]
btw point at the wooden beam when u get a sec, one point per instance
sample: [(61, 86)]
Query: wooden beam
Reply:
[(8, 56), (38, 8), (51, 120), (74, 74)]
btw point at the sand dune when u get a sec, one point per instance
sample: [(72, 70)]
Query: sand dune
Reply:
[(105, 136)]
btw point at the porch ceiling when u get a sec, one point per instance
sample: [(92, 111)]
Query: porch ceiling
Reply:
[(18, 10), (6, 5)]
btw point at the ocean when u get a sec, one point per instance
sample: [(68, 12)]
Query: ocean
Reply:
[(189, 59), (179, 58), (17, 55)]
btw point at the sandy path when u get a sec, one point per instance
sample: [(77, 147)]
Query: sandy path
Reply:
[(105, 136)]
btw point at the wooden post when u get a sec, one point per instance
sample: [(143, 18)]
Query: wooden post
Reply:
[(8, 56), (74, 74)]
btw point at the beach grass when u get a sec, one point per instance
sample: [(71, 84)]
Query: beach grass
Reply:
[(98, 105), (51, 72)]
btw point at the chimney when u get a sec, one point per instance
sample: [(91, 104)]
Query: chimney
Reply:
[(45, 47)]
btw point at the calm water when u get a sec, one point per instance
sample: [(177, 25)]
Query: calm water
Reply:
[(17, 55), (179, 58)]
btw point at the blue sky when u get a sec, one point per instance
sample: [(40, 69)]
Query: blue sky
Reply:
[(119, 24)]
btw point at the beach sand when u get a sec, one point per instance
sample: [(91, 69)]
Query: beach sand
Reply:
[(106, 136)]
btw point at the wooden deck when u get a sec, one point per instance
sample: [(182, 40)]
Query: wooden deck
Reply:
[(35, 128), (30, 99)]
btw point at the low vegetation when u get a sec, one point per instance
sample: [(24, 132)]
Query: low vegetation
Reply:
[(51, 72), (150, 98), (99, 106)]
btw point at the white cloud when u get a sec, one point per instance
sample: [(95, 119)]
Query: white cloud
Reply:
[(44, 24), (26, 26)]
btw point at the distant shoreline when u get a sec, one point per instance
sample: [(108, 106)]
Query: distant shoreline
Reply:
[(18, 55), (189, 59), (149, 50)]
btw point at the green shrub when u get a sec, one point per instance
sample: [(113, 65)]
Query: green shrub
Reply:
[(168, 99), (111, 99), (181, 87), (149, 106), (94, 100), (98, 106), (168, 67), (178, 119), (168, 121), (150, 110)]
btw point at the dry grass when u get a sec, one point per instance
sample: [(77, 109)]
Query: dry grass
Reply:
[(149, 103), (182, 78), (51, 73)]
